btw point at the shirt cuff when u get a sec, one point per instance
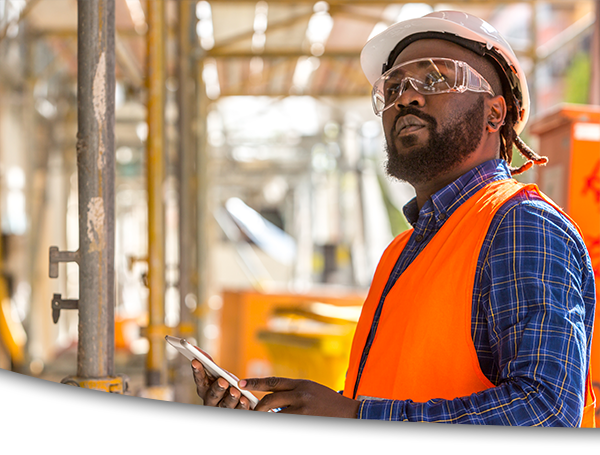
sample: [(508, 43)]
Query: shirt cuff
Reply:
[(382, 410)]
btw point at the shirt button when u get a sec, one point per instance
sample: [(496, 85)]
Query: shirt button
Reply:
[(419, 238), (442, 216)]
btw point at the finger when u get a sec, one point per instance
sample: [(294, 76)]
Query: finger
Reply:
[(231, 398), (244, 404), (200, 378), (216, 392), (197, 362), (289, 410), (288, 400), (203, 372), (272, 384), (197, 366)]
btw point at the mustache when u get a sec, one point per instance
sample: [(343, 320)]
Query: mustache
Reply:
[(410, 110)]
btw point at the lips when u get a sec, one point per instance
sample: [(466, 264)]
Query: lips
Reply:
[(408, 124)]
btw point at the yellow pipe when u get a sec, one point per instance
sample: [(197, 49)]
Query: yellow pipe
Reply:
[(156, 364), (12, 334)]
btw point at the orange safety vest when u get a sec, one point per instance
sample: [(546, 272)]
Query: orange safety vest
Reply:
[(423, 348)]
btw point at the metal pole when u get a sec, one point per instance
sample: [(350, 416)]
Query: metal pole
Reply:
[(186, 169), (156, 364), (188, 196), (204, 233), (96, 184)]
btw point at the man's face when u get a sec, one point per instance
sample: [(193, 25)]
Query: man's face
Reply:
[(444, 128)]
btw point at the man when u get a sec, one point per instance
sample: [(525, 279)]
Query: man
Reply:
[(483, 312)]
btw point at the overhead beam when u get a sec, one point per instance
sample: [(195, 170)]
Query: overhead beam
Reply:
[(356, 77), (249, 85), (72, 33), (314, 94), (284, 53), (349, 12), (389, 2), (272, 26)]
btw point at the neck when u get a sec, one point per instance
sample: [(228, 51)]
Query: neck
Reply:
[(488, 149)]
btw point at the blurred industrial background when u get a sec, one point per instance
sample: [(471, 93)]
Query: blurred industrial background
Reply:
[(243, 205)]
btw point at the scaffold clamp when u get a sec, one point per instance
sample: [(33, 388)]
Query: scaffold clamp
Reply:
[(111, 384), (57, 256), (59, 304)]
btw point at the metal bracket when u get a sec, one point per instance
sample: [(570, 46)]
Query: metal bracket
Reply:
[(132, 260), (57, 256), (111, 384), (59, 304)]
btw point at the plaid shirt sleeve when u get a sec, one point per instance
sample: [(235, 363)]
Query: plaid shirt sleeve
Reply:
[(536, 294)]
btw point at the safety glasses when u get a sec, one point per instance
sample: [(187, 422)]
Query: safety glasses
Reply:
[(428, 76)]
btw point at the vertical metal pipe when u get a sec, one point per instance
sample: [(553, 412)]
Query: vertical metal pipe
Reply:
[(156, 360), (96, 181), (188, 195), (204, 217)]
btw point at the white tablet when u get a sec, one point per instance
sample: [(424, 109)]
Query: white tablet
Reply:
[(191, 353)]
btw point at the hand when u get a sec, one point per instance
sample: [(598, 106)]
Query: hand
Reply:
[(300, 396), (217, 392)]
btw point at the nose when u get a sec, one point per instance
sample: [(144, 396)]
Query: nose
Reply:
[(409, 96)]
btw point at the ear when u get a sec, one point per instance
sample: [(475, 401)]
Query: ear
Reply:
[(496, 113)]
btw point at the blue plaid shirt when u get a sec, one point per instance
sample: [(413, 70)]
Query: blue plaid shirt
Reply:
[(532, 316)]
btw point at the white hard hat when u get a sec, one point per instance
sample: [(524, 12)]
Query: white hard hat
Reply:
[(461, 28)]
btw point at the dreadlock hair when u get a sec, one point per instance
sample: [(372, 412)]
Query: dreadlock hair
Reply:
[(508, 138)]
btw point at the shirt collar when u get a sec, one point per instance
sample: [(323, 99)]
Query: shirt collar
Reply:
[(448, 199)]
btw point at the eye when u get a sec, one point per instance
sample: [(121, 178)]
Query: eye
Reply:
[(433, 78), (392, 89)]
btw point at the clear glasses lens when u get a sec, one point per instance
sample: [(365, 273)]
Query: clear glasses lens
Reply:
[(429, 77)]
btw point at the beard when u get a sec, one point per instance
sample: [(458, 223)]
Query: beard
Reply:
[(445, 149)]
